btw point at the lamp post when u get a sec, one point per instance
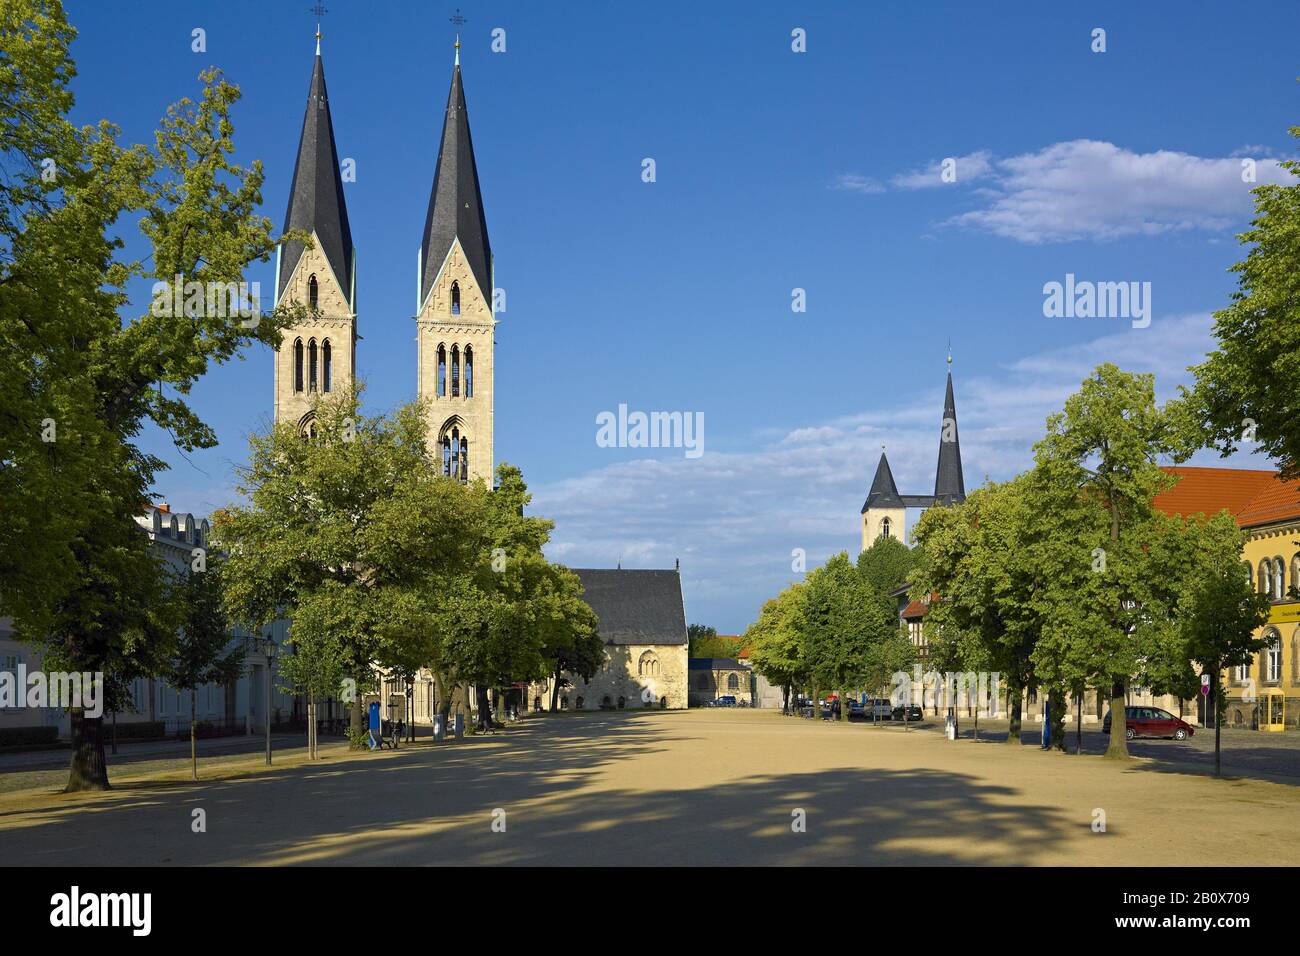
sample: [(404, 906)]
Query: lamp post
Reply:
[(266, 717)]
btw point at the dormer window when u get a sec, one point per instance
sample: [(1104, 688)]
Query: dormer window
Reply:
[(313, 292), (455, 298)]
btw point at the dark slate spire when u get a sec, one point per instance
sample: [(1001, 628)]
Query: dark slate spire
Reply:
[(316, 196), (883, 493), (949, 485), (456, 205)]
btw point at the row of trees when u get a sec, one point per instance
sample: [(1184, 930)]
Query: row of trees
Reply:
[(837, 629), (380, 561), (1068, 577)]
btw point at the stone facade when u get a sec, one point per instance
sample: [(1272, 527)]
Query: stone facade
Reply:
[(634, 676), (332, 323), (456, 321), (711, 678)]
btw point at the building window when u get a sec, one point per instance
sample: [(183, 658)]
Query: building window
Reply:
[(1265, 577), (455, 371), (733, 682), (297, 365), (1243, 673), (1279, 580), (327, 360), (884, 528), (455, 298), (469, 372), (442, 370), (648, 665), (313, 362), (1273, 659), (313, 293)]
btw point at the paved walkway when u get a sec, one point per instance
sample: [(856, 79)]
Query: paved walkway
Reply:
[(697, 787)]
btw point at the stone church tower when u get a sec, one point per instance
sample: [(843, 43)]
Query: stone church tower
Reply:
[(455, 314), (319, 355), (885, 510)]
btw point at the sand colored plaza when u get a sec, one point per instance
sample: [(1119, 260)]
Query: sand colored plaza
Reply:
[(705, 787)]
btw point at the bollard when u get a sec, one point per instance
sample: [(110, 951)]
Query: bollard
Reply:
[(439, 729)]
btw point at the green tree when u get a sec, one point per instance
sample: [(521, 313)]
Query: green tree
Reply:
[(79, 376), (1238, 398), (776, 641), (204, 652), (1103, 448)]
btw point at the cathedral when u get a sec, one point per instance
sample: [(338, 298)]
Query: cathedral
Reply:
[(454, 309), (884, 513)]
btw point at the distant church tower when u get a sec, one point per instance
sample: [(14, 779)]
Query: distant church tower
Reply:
[(885, 510), (454, 309), (319, 355)]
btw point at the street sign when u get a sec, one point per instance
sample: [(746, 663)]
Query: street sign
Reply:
[(1205, 685)]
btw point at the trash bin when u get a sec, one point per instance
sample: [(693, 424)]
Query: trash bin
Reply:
[(439, 729), (458, 726), (950, 726)]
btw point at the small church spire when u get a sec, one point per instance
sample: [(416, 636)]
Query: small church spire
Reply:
[(949, 483)]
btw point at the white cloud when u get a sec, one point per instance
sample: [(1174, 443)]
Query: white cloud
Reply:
[(966, 169), (734, 517), (1091, 190), (851, 182)]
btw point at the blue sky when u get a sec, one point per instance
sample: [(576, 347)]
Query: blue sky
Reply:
[(775, 170)]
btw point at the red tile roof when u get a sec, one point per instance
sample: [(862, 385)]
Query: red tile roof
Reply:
[(916, 609), (1252, 496)]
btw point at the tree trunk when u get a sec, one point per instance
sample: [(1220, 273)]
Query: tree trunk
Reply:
[(1014, 702), (1078, 722), (1217, 715), (1056, 733), (844, 707), (356, 713), (1117, 749), (555, 691), (89, 770), (194, 748)]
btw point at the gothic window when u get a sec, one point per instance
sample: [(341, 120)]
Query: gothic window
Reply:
[(455, 371), (442, 370), (327, 356), (455, 298), (464, 461), (469, 385), (884, 527), (446, 455), (648, 665), (313, 292), (313, 361), (297, 365)]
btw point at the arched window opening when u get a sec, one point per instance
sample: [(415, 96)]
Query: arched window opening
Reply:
[(446, 455), (1273, 658), (884, 527), (1265, 577), (733, 682), (327, 360), (313, 362), (464, 461), (297, 365), (455, 298), (648, 665), (442, 370), (1295, 573), (469, 384), (313, 292), (455, 371), (1250, 575)]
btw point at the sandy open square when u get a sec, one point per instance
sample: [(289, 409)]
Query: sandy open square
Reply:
[(710, 787)]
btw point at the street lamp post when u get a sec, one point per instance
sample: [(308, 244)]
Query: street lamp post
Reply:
[(266, 717)]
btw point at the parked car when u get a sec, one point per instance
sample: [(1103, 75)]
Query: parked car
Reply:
[(727, 700), (910, 712), (878, 709), (1150, 722)]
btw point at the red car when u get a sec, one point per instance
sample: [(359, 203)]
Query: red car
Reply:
[(1151, 722)]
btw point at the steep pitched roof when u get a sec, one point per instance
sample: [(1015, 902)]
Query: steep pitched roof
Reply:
[(635, 607), (883, 493), (316, 195), (949, 485), (1276, 501), (456, 203)]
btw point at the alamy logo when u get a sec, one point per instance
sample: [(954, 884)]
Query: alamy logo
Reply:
[(653, 430), (61, 689), (74, 909), (1100, 300), (219, 300)]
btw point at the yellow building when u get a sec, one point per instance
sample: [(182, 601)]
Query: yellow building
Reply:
[(1270, 510)]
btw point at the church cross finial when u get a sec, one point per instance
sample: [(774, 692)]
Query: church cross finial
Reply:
[(319, 10), (459, 21)]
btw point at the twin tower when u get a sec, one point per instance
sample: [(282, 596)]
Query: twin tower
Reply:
[(454, 312)]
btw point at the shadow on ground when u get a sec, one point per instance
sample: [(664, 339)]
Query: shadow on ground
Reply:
[(435, 805)]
